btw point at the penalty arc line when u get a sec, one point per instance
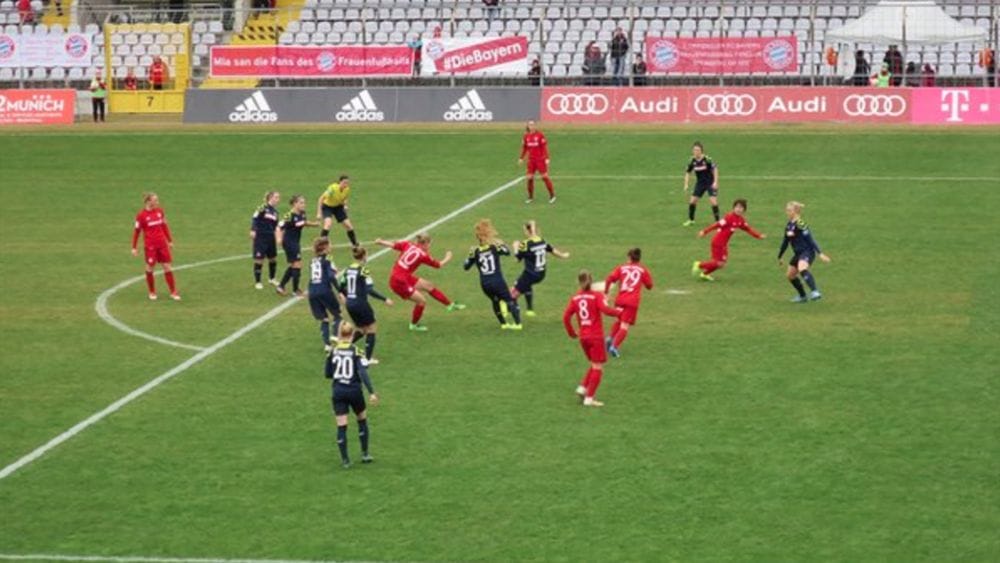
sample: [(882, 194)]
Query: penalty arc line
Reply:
[(209, 351)]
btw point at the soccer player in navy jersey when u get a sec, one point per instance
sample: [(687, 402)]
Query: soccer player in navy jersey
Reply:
[(345, 366), (533, 251), (706, 181), (486, 257), (324, 290), (357, 285), (288, 236), (262, 226), (798, 235)]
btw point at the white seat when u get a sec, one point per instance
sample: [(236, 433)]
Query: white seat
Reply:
[(307, 14), (295, 26), (122, 50), (308, 27), (177, 38), (58, 73), (201, 50), (301, 38), (946, 70), (169, 49), (139, 50), (333, 38), (324, 27), (963, 70), (215, 26), (117, 61), (147, 60), (208, 39), (131, 61), (75, 73), (381, 37), (322, 14), (199, 27), (348, 37), (120, 72), (317, 38)]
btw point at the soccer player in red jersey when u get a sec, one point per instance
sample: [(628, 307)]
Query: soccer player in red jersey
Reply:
[(152, 223), (720, 242), (588, 305), (536, 148), (631, 277), (407, 285)]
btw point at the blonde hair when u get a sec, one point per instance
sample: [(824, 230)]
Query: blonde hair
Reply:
[(532, 227), (346, 331), (485, 231), (321, 245), (423, 238), (585, 279), (795, 206), (148, 196), (269, 195)]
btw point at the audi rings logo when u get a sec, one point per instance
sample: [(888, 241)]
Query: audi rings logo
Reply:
[(732, 105), (578, 104), (874, 105)]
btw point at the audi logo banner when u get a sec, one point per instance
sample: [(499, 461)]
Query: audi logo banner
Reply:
[(726, 105)]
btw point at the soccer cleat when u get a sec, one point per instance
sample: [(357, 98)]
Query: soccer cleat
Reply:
[(417, 328), (152, 297), (607, 343), (177, 296), (695, 268), (581, 390), (815, 295), (552, 199), (280, 290), (258, 285), (456, 307), (615, 352), (346, 463), (800, 299), (372, 361), (365, 458), (513, 326), (529, 200), (530, 313), (687, 223), (274, 282), (327, 348), (592, 402), (705, 277), (299, 293)]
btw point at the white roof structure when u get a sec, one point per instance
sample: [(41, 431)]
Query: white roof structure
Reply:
[(908, 23)]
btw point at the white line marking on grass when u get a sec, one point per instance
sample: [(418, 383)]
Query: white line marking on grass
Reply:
[(145, 559), (677, 292), (798, 178), (197, 358)]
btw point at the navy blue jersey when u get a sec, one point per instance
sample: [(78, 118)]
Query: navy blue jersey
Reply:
[(264, 220), (534, 254), (322, 276), (345, 367), (704, 170), (291, 225), (799, 236), (487, 258), (357, 284)]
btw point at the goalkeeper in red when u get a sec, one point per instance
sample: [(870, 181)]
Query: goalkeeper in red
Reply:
[(720, 242), (631, 277), (536, 148)]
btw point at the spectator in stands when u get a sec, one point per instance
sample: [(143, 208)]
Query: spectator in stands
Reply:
[(991, 67), (927, 76), (912, 75), (619, 52), (98, 93), (417, 45), (639, 71), (861, 69), (437, 32), (158, 73), (884, 78), (492, 8), (895, 61), (593, 64), (535, 73), (131, 84), (24, 10)]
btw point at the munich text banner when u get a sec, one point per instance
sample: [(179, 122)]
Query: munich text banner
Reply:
[(717, 55), (956, 106), (726, 105), (289, 61), (53, 49), (479, 55), (36, 107)]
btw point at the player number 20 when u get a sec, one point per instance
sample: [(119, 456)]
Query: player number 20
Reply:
[(343, 368)]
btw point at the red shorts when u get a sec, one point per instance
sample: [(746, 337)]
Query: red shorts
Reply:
[(594, 349), (629, 314), (158, 254), (403, 286), (537, 165), (720, 253)]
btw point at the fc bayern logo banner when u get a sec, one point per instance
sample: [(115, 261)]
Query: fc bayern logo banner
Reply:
[(53, 49), (480, 55), (311, 61), (716, 55)]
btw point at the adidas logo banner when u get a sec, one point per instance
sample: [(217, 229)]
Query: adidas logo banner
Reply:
[(469, 107), (361, 108), (254, 109)]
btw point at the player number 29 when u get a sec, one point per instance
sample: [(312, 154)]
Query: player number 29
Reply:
[(316, 271), (631, 280)]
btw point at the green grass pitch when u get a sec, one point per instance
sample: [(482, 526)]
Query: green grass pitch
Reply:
[(738, 426)]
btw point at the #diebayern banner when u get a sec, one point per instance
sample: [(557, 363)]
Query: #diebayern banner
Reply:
[(479, 55), (717, 55), (53, 49), (287, 61)]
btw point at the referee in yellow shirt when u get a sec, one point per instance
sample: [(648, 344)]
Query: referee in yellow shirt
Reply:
[(333, 205)]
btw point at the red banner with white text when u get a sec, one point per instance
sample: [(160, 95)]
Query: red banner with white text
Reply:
[(36, 107), (478, 55), (719, 55), (726, 105), (291, 61)]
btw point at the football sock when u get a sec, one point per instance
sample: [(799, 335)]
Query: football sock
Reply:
[(172, 284), (353, 237), (548, 186), (529, 300), (369, 348), (256, 271), (418, 311), (620, 335), (497, 311), (342, 442), (797, 284), (324, 232), (691, 208), (336, 326), (594, 382), (810, 280), (436, 294), (324, 330), (715, 211), (363, 435), (615, 327), (272, 269), (515, 311), (296, 278), (531, 187), (709, 267), (586, 378), (358, 335), (150, 283), (286, 277)]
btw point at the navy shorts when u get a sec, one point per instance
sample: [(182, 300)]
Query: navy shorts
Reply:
[(346, 399), (293, 252), (527, 280), (323, 304), (497, 290), (361, 313), (264, 247), (807, 256), (337, 212), (700, 189)]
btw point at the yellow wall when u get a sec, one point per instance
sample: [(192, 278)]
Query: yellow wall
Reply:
[(146, 101), (151, 101)]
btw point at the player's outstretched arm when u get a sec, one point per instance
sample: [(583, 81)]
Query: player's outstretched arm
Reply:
[(385, 243), (825, 257), (568, 320), (715, 177), (447, 258), (319, 206), (559, 253), (687, 181)]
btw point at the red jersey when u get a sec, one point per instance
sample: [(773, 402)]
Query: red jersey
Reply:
[(727, 226), (535, 145), (410, 258), (157, 72), (631, 278), (587, 305), (153, 225)]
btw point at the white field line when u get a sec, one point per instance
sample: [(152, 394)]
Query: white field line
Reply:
[(142, 559), (197, 358), (795, 178)]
